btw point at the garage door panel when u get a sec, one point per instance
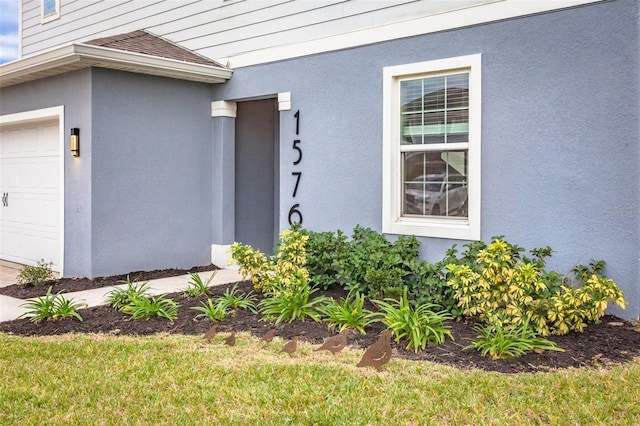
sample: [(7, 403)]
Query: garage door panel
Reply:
[(29, 211), (10, 143), (30, 247), (11, 214), (49, 250), (49, 214), (12, 175), (49, 167), (29, 139), (48, 140), (11, 240), (29, 175)]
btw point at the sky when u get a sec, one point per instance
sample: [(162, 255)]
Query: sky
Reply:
[(8, 30)]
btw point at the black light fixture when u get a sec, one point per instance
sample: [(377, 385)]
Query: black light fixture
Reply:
[(75, 142)]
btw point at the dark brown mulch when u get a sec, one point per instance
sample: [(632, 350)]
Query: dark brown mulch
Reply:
[(610, 342), (68, 285)]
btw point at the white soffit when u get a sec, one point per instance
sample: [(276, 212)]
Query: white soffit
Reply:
[(77, 56), (492, 10)]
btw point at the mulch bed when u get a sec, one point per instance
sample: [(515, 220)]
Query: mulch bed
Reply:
[(610, 342)]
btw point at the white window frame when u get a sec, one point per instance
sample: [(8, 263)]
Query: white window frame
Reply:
[(51, 16), (393, 222)]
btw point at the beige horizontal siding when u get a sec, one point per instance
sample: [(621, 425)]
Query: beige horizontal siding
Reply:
[(219, 28)]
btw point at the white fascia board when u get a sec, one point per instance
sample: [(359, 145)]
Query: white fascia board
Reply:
[(76, 56), (472, 15), (52, 58), (107, 56)]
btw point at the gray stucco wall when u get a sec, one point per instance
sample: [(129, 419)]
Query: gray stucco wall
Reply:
[(73, 90), (560, 133), (152, 186), (139, 197)]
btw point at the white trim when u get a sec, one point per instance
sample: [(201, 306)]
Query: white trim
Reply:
[(52, 16), (493, 10), (392, 220), (41, 115), (77, 56), (284, 101), (224, 109), (220, 256)]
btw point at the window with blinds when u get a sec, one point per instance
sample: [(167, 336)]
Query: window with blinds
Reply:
[(432, 148), (434, 137)]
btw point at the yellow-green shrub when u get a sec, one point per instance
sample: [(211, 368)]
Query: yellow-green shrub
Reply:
[(494, 283), (284, 270)]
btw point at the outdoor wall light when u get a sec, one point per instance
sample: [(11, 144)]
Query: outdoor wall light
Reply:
[(75, 142)]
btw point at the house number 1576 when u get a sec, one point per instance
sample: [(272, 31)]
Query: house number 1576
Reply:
[(295, 215)]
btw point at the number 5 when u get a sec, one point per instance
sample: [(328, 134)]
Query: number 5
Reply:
[(297, 148)]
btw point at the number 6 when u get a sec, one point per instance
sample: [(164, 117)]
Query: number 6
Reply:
[(293, 211)]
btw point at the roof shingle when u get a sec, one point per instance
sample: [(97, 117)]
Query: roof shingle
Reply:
[(148, 44)]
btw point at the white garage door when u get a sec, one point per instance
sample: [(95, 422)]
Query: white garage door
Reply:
[(30, 186)]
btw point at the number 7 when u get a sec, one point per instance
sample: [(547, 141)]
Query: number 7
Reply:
[(298, 176)]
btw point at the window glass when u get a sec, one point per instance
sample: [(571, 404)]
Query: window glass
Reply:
[(50, 9), (435, 109), (435, 183)]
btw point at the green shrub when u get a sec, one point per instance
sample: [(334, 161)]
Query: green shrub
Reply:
[(427, 283), (51, 307), (370, 264), (121, 297), (501, 286), (278, 272), (373, 265), (35, 275), (292, 302), (348, 313), (498, 343), (196, 286), (324, 251), (154, 306), (420, 326)]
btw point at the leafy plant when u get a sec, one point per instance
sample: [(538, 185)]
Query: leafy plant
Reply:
[(216, 312), (155, 306), (235, 299), (51, 307), (499, 343), (427, 283), (420, 326), (373, 265), (324, 252), (278, 272), (118, 298), (35, 275), (196, 286), (348, 313), (503, 287), (290, 303)]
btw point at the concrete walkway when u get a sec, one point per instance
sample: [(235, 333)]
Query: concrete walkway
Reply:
[(10, 307)]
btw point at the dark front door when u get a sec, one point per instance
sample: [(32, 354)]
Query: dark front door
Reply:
[(256, 174)]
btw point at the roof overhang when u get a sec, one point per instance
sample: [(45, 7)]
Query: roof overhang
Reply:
[(78, 56)]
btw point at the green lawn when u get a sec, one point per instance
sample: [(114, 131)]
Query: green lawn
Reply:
[(175, 380)]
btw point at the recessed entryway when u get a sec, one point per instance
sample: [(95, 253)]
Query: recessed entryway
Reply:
[(256, 174)]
